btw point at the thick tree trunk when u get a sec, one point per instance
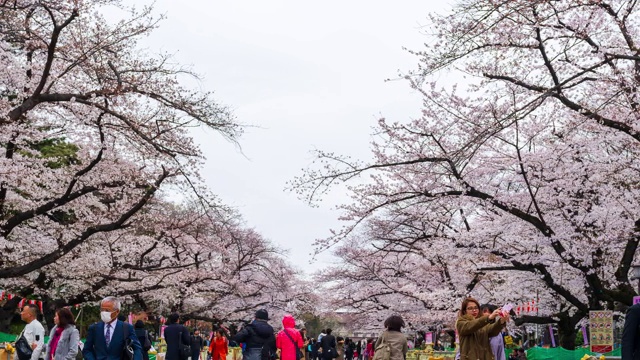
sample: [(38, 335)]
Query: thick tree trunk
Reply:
[(567, 332), (8, 313), (568, 338)]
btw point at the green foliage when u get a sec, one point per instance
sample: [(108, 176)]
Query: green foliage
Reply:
[(89, 314), (16, 327), (579, 338), (61, 152), (314, 324)]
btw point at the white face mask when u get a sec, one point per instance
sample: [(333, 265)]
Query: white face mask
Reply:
[(105, 316)]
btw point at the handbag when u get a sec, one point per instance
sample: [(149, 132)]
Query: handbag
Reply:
[(147, 343), (299, 354), (127, 351), (185, 350), (23, 348), (382, 351)]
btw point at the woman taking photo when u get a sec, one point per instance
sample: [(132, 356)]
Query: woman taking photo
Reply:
[(397, 341), (64, 338), (474, 331)]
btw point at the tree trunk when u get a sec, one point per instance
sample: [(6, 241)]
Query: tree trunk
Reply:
[(567, 334), (7, 313), (48, 313)]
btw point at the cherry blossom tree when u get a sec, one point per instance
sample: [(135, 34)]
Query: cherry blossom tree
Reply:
[(95, 140), (250, 275), (75, 80), (204, 264), (528, 172)]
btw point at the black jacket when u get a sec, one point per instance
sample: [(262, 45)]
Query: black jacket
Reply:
[(142, 337), (631, 334), (172, 335), (257, 334), (197, 342), (328, 345)]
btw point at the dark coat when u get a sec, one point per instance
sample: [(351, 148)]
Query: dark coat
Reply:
[(142, 337), (174, 334), (328, 345), (257, 334), (631, 334), (95, 347), (197, 342)]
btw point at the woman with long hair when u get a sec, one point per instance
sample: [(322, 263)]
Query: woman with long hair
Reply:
[(64, 339), (474, 330)]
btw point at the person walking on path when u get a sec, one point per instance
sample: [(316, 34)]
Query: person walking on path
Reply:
[(219, 347), (369, 350), (176, 336), (631, 334), (303, 333), (143, 338), (106, 338), (312, 349), (197, 343), (33, 332), (349, 349), (474, 331), (258, 337), (289, 340), (394, 337), (64, 339), (328, 345)]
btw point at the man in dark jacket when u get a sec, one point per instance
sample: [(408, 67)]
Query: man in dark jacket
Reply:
[(197, 342), (176, 336), (106, 339), (260, 342), (631, 334), (328, 346)]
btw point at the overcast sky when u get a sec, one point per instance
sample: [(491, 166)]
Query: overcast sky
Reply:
[(305, 75)]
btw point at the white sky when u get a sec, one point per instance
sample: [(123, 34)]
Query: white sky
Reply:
[(307, 75)]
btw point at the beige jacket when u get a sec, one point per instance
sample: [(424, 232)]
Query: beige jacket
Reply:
[(474, 337), (397, 342)]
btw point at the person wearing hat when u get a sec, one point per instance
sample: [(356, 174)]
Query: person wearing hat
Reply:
[(258, 337)]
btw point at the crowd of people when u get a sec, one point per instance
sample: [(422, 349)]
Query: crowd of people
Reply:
[(479, 328)]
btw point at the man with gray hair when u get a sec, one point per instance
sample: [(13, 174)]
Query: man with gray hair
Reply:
[(109, 338)]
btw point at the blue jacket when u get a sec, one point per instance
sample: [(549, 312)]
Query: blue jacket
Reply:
[(95, 348)]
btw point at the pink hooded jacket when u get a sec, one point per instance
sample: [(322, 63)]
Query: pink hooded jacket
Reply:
[(286, 346)]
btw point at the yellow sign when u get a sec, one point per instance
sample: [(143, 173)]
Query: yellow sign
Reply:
[(601, 331)]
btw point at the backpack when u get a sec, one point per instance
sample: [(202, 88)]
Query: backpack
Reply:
[(268, 345), (382, 351), (147, 343)]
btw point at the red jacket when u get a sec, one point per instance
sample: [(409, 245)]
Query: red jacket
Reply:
[(219, 348), (286, 346)]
